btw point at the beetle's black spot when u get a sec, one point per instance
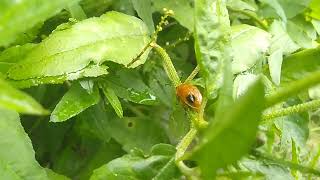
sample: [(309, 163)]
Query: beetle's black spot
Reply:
[(191, 98)]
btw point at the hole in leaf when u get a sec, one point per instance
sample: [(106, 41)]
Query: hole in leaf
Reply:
[(130, 124)]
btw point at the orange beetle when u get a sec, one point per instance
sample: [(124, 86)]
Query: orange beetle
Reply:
[(189, 95)]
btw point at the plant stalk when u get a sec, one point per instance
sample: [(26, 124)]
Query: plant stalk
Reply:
[(308, 106), (168, 66), (193, 74), (185, 142), (293, 89)]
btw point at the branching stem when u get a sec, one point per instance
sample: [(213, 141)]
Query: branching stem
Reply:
[(154, 37), (315, 104), (197, 120)]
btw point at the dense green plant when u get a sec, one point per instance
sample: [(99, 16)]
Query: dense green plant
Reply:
[(88, 89)]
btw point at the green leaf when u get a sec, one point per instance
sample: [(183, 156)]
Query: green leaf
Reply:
[(212, 40), (112, 37), (293, 127), (95, 7), (315, 7), (89, 71), (282, 44), (82, 154), (11, 98), (47, 138), (294, 7), (130, 132), (138, 166), (316, 25), (225, 93), (12, 55), (73, 102), (38, 81), (240, 5), (281, 39), (16, 153), (92, 121), (7, 173), (158, 82), (275, 61), (178, 126), (54, 176), (134, 132), (29, 36), (113, 99), (249, 44), (18, 16), (129, 85), (124, 6), (299, 65), (302, 32), (275, 4), (235, 130), (269, 170), (241, 84), (143, 8), (183, 11)]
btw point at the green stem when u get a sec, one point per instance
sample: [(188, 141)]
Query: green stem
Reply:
[(154, 36), (168, 66), (193, 74), (77, 12), (293, 88), (197, 117), (203, 106), (141, 53), (250, 15), (191, 173), (184, 143), (315, 104), (179, 41), (288, 164)]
